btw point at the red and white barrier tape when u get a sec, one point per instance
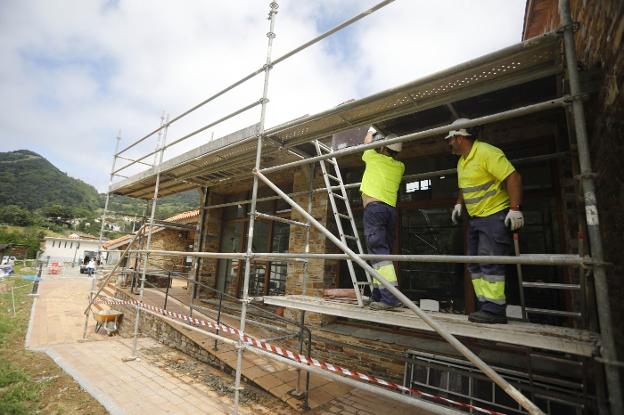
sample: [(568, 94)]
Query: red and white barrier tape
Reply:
[(297, 357)]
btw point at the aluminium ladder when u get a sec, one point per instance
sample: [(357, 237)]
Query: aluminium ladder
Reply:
[(335, 199)]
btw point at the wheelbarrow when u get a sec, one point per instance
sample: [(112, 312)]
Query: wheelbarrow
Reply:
[(108, 320)]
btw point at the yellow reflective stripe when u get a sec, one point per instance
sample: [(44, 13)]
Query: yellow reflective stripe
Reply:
[(489, 291), (387, 271)]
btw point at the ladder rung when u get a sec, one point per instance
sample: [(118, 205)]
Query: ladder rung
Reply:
[(363, 283), (331, 161), (333, 177), (338, 196), (324, 147), (342, 215), (552, 286), (351, 237)]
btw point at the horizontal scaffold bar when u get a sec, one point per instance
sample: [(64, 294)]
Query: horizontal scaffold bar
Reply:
[(438, 131), (525, 259), (406, 178)]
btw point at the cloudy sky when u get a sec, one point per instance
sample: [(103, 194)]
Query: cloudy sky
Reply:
[(76, 72)]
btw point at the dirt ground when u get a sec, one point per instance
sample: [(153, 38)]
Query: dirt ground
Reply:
[(30, 382), (182, 366)]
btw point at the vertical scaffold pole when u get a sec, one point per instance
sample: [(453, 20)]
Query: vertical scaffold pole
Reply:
[(254, 195), (110, 183), (591, 214), (306, 267), (162, 139)]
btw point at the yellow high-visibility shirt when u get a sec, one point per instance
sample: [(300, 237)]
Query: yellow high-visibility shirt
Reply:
[(480, 177), (382, 177)]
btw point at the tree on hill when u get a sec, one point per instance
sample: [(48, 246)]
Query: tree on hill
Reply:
[(32, 182)]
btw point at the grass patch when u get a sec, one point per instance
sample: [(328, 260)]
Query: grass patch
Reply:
[(30, 382)]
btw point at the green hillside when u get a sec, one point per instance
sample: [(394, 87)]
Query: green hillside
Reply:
[(32, 182)]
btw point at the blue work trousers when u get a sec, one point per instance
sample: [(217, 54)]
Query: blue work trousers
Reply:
[(488, 235), (379, 226)]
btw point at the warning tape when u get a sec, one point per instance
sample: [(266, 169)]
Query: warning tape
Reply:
[(297, 357)]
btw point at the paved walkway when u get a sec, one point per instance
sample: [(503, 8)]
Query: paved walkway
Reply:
[(326, 396), (135, 387)]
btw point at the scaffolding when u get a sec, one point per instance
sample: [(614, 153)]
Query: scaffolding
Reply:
[(284, 148)]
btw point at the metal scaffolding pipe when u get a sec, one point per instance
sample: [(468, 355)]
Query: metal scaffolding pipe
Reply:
[(438, 131), (332, 31), (614, 384), (254, 195), (407, 177), (199, 130), (163, 134), (279, 219), (525, 259), (514, 393)]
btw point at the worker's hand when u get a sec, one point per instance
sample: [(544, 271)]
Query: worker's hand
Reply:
[(457, 212), (372, 130), (514, 219)]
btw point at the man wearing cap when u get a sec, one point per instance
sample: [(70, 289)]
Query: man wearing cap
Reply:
[(491, 189), (380, 185)]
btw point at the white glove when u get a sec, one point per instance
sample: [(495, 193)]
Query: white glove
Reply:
[(457, 212), (372, 130), (514, 219)]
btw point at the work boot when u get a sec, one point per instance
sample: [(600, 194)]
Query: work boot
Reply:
[(383, 306), (486, 317)]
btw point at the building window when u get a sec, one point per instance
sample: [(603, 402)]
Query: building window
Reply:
[(418, 185), (53, 242), (266, 277)]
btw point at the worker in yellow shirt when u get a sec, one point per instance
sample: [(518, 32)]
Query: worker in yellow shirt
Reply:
[(491, 190), (380, 185)]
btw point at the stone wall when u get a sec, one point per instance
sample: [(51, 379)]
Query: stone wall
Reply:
[(321, 273), (212, 238), (165, 333), (170, 240)]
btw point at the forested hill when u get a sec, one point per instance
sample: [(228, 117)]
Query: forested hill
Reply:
[(30, 181)]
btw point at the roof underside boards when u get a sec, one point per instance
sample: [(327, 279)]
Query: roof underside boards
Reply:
[(537, 336), (233, 157)]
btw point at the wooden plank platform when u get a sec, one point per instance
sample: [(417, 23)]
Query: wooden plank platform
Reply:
[(539, 336)]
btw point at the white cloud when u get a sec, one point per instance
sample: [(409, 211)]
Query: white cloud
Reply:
[(75, 72)]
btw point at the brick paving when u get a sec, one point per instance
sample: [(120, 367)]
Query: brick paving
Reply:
[(326, 396), (134, 387), (140, 387)]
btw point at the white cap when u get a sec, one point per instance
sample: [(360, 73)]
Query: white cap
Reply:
[(396, 146), (461, 131)]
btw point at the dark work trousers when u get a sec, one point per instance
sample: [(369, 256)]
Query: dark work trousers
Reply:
[(488, 235), (379, 225)]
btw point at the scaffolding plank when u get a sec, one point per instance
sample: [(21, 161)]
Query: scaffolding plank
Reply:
[(539, 336)]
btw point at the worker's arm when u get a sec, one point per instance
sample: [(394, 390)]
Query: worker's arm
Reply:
[(460, 198), (513, 182)]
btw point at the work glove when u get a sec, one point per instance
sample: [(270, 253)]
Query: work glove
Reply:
[(457, 212), (514, 219)]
